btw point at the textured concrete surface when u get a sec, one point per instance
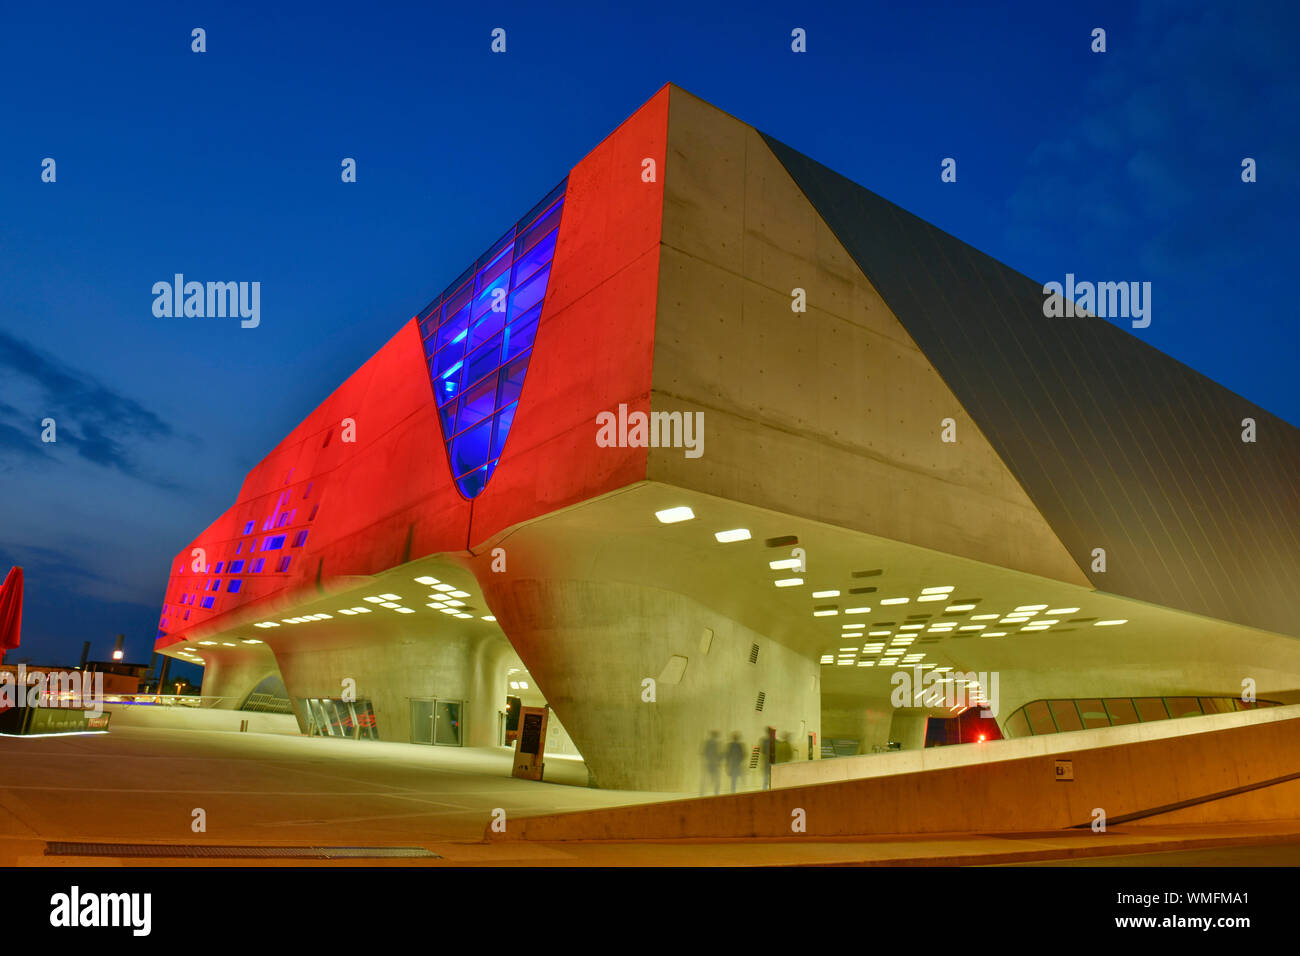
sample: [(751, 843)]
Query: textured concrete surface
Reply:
[(141, 786)]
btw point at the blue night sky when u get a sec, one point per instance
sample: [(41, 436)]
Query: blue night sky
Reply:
[(225, 166)]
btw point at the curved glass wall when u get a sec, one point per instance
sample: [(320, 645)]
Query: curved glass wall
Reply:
[(478, 338), (1084, 713)]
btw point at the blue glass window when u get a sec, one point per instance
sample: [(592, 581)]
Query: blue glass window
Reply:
[(236, 566), (256, 566), (220, 565), (234, 586), (478, 355), (300, 539), (273, 543), (248, 527), (284, 564), (207, 602), (216, 585)]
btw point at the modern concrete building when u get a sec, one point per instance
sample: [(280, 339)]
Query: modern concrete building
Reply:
[(715, 439)]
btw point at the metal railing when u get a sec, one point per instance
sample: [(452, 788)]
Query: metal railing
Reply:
[(170, 700)]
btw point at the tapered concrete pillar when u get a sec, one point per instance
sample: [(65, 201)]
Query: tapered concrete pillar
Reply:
[(641, 676)]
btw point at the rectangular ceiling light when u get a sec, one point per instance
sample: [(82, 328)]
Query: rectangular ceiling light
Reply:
[(426, 580), (674, 515), (826, 594), (785, 564), (788, 582), (735, 534)]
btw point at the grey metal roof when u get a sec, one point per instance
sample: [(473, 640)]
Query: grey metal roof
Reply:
[(1117, 444)]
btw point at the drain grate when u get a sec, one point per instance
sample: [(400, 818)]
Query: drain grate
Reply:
[(239, 852)]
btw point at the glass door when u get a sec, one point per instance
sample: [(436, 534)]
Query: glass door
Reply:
[(446, 724), (422, 721)]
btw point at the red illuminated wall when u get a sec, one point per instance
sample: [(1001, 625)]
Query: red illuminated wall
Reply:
[(389, 497)]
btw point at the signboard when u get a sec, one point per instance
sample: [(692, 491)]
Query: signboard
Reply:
[(1065, 770), (531, 743)]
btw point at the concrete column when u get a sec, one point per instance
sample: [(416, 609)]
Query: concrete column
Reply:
[(640, 676)]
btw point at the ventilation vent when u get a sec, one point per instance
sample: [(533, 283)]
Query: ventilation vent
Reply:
[(753, 758), (868, 574), (862, 590), (783, 542), (758, 704), (753, 654)]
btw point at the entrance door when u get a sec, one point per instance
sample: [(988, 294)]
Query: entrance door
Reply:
[(446, 723), (437, 721), (422, 721)]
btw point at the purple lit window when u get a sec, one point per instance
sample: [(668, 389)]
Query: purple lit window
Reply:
[(478, 337), (300, 539), (284, 564), (257, 565), (234, 586), (236, 566)]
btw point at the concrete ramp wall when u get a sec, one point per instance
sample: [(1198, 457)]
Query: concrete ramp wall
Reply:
[(198, 718), (1241, 773)]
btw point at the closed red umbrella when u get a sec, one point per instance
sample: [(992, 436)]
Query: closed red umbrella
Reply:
[(11, 610)]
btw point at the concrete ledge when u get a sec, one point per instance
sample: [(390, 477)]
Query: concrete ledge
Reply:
[(1004, 796), (199, 718)]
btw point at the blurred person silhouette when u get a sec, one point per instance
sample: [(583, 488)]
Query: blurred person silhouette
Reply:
[(766, 750), (735, 759), (712, 760)]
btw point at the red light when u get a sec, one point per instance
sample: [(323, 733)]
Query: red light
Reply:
[(982, 738)]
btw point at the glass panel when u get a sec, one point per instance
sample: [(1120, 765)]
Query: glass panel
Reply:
[(448, 415), (490, 294), (421, 721), (540, 230), (486, 327), (512, 381), (1067, 717), (494, 270), (477, 403), (1215, 705), (519, 336), (1017, 725), (1093, 712), (1183, 707), (503, 420), (483, 360), (1151, 708), (1121, 711), (453, 328), (447, 725), (535, 258), (367, 727), (1040, 719), (475, 481), (470, 450), (457, 301), (530, 293)]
